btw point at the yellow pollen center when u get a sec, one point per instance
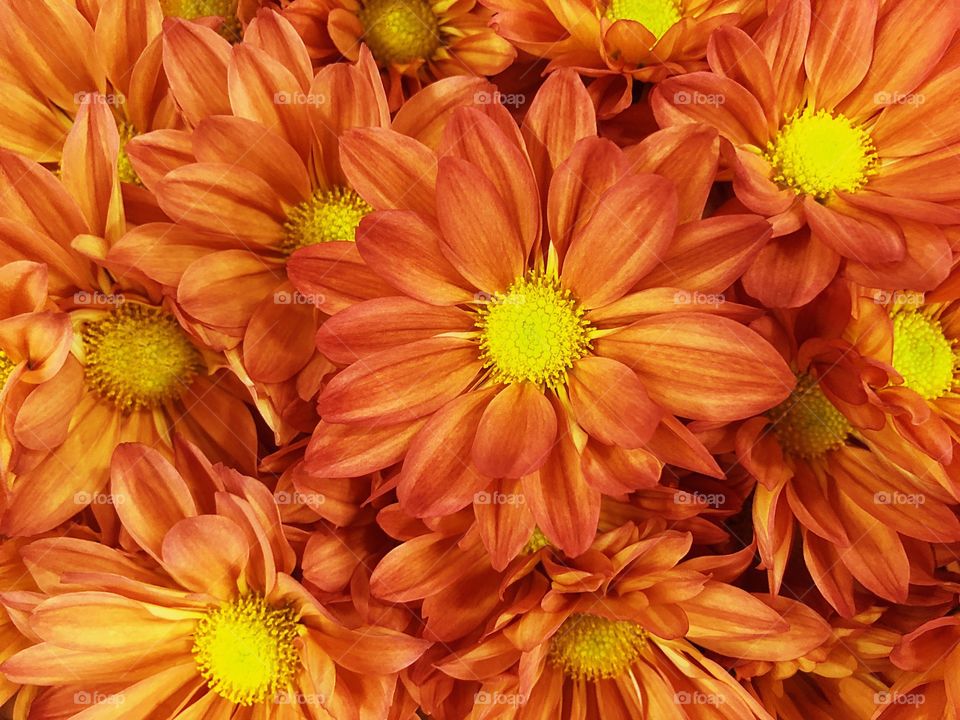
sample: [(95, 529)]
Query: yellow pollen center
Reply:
[(923, 355), (537, 542), (400, 31), (817, 153), (231, 29), (590, 647), (807, 424), (533, 332), (657, 16), (328, 216), (7, 366), (138, 356), (246, 650), (124, 167)]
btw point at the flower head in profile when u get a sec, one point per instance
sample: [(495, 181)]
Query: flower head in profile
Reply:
[(617, 631), (619, 43), (841, 464), (202, 614), (555, 354), (846, 142), (133, 372)]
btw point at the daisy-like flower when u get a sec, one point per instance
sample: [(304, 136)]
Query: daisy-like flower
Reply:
[(619, 42), (418, 41), (133, 372), (52, 58), (830, 463), (206, 621), (260, 196), (840, 137), (507, 352), (615, 634)]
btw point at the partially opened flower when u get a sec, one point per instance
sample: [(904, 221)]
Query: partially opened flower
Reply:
[(258, 196), (830, 463), (52, 58), (418, 41), (619, 42), (927, 690), (616, 635), (844, 140), (133, 373), (206, 621), (505, 350)]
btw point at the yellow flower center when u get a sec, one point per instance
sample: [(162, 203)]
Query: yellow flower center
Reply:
[(537, 541), (231, 29), (807, 424), (328, 216), (246, 650), (657, 16), (400, 31), (138, 356), (124, 167), (590, 647), (922, 354), (7, 367), (817, 153), (533, 332)]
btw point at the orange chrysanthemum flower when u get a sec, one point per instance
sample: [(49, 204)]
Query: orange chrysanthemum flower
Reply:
[(418, 41), (619, 42), (506, 351), (615, 634), (869, 505), (52, 58), (245, 227), (133, 372), (930, 655), (205, 622), (841, 136)]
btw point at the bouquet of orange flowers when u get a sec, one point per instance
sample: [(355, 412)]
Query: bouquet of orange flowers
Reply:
[(480, 359)]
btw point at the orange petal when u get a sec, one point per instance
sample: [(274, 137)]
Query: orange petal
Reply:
[(516, 433), (369, 649), (208, 288), (855, 239), (422, 566), (375, 325), (155, 496), (401, 384), (349, 451), (406, 251), (622, 240), (791, 271), (566, 508), (839, 50), (437, 477), (479, 238), (678, 356), (610, 402), (207, 554), (275, 346), (333, 276), (195, 60)]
